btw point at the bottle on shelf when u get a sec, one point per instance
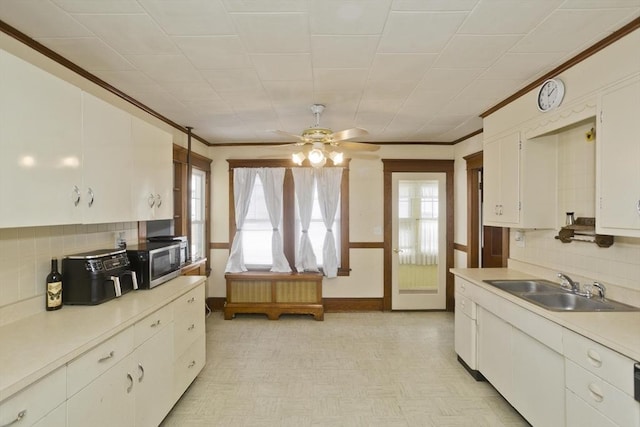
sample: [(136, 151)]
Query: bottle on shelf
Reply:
[(54, 287)]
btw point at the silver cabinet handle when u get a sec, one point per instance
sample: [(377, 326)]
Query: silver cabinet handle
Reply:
[(192, 364), (151, 200), (192, 299), (191, 328), (76, 192), (155, 324), (595, 392), (159, 200), (141, 369), (18, 418), (91, 197), (107, 357), (130, 378)]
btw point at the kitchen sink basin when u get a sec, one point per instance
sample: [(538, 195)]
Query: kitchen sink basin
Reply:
[(566, 301), (552, 297), (525, 286)]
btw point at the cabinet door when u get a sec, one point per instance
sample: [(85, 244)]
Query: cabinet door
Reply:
[(538, 378), (154, 378), (495, 351), (491, 182), (465, 332), (107, 163), (152, 183), (40, 142), (618, 156), (108, 401), (580, 414), (501, 187)]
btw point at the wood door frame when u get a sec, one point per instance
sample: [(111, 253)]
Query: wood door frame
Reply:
[(415, 165), (474, 167)]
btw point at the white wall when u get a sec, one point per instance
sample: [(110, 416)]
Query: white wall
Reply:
[(365, 211)]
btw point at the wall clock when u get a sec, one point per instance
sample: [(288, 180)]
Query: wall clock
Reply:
[(550, 94)]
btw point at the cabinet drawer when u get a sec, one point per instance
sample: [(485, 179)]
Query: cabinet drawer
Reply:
[(188, 302), (601, 395), (466, 306), (464, 287), (55, 418), (29, 405), (580, 414), (188, 365), (150, 325), (91, 364), (186, 330), (609, 365)]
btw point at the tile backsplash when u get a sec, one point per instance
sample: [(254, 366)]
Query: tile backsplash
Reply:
[(25, 259)]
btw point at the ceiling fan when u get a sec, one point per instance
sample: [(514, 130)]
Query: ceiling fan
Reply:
[(318, 143)]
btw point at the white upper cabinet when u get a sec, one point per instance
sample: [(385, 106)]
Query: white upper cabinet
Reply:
[(618, 161), (520, 181), (107, 162), (40, 146), (152, 183)]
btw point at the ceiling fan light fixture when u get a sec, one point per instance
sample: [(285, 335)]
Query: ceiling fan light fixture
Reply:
[(298, 158), (317, 158), (336, 157)]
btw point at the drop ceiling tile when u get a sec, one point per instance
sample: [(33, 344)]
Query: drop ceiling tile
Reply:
[(331, 79), (100, 6), (232, 80), (599, 4), (565, 30), (289, 92), (191, 90), (40, 18), (129, 81), (338, 51), (165, 68), (470, 126), (213, 52), (348, 16), (434, 5), (265, 6), (189, 17), (419, 32), (466, 51), (492, 90), (91, 52), (207, 107), (388, 91), (129, 34), (521, 66), (400, 66), (448, 79), (507, 16), (273, 32), (375, 120), (283, 66), (247, 100)]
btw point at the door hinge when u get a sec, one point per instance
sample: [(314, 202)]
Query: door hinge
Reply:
[(479, 186), (601, 116), (519, 206)]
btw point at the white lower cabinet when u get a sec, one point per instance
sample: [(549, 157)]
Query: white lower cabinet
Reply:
[(55, 418), (29, 406), (495, 359), (465, 331), (580, 414)]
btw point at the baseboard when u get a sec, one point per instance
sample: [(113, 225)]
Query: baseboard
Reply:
[(474, 373), (331, 305)]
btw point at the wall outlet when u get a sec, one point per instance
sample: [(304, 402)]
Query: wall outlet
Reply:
[(519, 238)]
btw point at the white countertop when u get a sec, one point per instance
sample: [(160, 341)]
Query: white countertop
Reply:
[(33, 347), (620, 331)]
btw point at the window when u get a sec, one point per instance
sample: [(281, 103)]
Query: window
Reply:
[(198, 224), (257, 228)]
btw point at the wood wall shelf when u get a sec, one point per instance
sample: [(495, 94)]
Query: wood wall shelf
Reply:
[(584, 230)]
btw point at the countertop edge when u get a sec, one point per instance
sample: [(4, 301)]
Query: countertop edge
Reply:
[(168, 292), (588, 324)]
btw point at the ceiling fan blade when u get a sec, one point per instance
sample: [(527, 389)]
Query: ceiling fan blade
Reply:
[(289, 135), (357, 146), (348, 134)]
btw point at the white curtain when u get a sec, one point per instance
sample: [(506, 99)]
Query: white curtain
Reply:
[(243, 180), (328, 183), (418, 223), (303, 183), (272, 180)]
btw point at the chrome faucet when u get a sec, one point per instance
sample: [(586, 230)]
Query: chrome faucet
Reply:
[(600, 289), (567, 283)]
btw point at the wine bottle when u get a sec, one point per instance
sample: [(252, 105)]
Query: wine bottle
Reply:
[(54, 287)]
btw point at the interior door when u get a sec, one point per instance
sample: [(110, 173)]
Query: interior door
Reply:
[(418, 267)]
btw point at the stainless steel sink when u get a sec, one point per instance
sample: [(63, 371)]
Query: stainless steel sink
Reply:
[(552, 297), (525, 286), (566, 301)]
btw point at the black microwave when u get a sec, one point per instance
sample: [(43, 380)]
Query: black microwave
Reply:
[(154, 262)]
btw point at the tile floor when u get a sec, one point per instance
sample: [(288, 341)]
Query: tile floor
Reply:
[(352, 369)]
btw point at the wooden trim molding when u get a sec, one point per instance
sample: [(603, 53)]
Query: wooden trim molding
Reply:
[(474, 171), (460, 247), (610, 39), (23, 38), (366, 245), (391, 166), (220, 245), (197, 160), (338, 305)]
